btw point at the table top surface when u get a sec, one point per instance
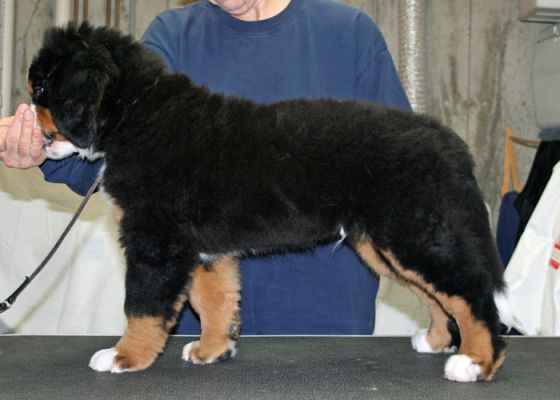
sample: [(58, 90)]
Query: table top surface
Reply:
[(56, 367)]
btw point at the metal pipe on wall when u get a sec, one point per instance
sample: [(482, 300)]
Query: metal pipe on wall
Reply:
[(412, 51), (8, 14), (62, 12), (132, 17)]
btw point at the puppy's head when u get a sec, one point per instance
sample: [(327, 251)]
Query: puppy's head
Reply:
[(68, 81)]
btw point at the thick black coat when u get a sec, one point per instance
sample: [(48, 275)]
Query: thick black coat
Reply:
[(197, 173)]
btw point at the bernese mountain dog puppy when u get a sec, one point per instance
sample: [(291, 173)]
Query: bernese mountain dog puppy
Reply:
[(198, 180)]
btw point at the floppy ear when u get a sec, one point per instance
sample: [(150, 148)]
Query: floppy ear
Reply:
[(81, 88)]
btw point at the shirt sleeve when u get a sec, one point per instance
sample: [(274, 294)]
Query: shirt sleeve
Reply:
[(162, 37), (380, 83), (75, 172), (377, 78)]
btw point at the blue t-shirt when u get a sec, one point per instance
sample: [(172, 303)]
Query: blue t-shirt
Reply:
[(312, 49)]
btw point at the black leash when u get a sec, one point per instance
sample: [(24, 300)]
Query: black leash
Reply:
[(12, 298)]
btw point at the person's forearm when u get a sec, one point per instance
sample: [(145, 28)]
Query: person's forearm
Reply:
[(75, 172)]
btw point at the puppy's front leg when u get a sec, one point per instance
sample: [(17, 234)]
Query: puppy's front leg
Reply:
[(214, 295), (143, 340), (155, 284)]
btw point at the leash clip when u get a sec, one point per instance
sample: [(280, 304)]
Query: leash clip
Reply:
[(4, 306)]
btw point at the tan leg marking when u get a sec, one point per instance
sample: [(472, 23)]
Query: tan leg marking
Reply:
[(438, 335), (178, 307), (214, 295), (118, 213), (476, 338), (141, 343), (116, 209), (143, 340), (365, 249)]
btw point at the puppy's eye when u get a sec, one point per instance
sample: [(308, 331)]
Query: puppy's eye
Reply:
[(38, 91)]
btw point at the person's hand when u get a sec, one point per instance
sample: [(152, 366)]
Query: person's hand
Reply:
[(21, 145)]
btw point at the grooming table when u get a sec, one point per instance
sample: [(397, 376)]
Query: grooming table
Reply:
[(56, 367)]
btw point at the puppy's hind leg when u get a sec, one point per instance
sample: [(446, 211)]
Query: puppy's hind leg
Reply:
[(214, 295), (481, 352), (469, 303), (437, 338), (467, 298)]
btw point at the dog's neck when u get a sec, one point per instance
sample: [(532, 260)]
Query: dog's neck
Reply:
[(138, 100)]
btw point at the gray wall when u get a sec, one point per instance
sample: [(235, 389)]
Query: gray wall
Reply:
[(479, 59), (479, 63)]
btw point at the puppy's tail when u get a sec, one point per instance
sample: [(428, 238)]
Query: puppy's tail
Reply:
[(505, 308)]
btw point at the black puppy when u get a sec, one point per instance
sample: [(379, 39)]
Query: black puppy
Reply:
[(198, 180)]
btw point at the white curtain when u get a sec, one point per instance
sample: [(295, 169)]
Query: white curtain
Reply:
[(81, 290)]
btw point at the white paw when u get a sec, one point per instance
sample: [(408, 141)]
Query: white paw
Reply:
[(419, 342), (449, 350), (187, 353), (104, 360), (461, 368), (232, 346)]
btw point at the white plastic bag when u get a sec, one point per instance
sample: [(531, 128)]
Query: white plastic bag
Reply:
[(532, 275)]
